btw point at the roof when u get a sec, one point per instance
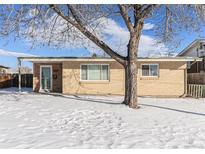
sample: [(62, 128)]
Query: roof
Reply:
[(60, 59), (190, 46), (1, 66)]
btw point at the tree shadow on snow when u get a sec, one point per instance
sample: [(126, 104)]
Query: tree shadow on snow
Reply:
[(15, 90), (171, 109), (111, 102), (103, 101)]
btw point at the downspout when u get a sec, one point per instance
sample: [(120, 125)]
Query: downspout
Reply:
[(185, 83), (194, 62), (185, 79)]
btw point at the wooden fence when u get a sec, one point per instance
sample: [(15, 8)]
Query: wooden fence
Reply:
[(11, 80), (5, 80), (196, 91), (196, 78), (26, 80)]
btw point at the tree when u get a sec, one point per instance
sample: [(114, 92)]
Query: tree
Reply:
[(83, 21), (25, 70), (94, 55)]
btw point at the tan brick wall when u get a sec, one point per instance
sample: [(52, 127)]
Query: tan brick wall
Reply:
[(57, 76), (73, 85), (169, 83)]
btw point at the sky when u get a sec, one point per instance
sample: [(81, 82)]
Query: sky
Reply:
[(116, 35)]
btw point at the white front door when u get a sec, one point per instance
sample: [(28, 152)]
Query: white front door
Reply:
[(46, 78)]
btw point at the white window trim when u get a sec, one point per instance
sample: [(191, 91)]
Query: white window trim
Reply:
[(51, 74), (149, 75), (88, 73)]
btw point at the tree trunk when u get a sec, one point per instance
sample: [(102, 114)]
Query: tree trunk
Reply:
[(131, 71), (131, 85), (127, 89), (129, 62)]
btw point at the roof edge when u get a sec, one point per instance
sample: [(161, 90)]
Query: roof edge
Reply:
[(189, 46), (6, 67), (60, 59)]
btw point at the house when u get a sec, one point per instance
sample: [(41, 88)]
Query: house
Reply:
[(195, 49), (3, 69), (4, 77), (196, 69), (102, 76)]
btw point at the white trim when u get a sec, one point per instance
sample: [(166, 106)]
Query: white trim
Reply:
[(95, 64), (53, 60), (65, 59), (51, 76), (149, 75), (191, 45)]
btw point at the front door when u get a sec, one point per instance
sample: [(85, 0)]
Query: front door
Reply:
[(46, 78)]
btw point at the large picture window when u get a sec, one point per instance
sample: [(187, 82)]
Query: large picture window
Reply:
[(94, 72), (150, 70)]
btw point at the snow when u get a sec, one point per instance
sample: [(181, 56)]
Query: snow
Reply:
[(31, 120)]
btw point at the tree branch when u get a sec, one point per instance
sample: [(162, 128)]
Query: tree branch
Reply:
[(147, 10), (124, 13), (137, 13), (167, 22), (78, 24), (140, 14)]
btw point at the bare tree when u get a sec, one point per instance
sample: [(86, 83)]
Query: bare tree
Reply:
[(26, 70), (76, 22)]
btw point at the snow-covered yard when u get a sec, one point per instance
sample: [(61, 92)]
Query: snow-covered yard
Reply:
[(30, 120)]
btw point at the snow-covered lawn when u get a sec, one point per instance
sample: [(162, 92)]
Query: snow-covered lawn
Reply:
[(30, 120)]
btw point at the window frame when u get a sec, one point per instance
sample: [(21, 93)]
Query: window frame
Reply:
[(88, 73), (149, 70)]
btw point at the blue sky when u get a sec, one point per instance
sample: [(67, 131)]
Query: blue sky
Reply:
[(20, 46), (116, 30)]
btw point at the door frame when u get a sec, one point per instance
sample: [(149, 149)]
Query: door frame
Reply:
[(51, 76)]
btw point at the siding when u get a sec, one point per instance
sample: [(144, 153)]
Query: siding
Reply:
[(192, 52), (196, 67)]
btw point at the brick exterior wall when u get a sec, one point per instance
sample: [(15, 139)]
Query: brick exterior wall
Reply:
[(73, 85), (56, 75), (171, 80)]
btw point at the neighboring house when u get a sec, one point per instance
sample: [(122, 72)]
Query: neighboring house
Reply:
[(9, 77), (24, 70), (3, 69), (195, 49), (72, 75), (4, 77)]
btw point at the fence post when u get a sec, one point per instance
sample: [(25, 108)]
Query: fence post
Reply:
[(196, 91), (19, 74)]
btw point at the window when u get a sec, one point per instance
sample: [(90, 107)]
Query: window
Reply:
[(150, 70), (201, 46), (94, 72)]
